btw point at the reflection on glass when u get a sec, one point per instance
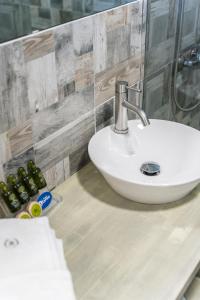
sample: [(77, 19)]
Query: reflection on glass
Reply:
[(21, 17)]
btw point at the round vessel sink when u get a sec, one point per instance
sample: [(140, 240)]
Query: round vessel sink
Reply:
[(155, 164)]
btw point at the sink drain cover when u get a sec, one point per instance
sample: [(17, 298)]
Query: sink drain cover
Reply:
[(150, 169)]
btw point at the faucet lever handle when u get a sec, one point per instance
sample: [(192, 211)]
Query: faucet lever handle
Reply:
[(134, 89)]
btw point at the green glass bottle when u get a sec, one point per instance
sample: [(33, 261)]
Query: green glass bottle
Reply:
[(28, 181), (37, 175), (30, 165), (18, 188), (10, 198)]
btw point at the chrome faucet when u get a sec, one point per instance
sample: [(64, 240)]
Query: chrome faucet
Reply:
[(122, 106), (189, 58)]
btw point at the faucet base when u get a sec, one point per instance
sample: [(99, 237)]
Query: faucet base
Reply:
[(120, 131)]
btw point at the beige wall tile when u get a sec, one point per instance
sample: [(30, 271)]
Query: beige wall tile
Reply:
[(2, 177), (105, 81), (134, 18), (116, 18), (55, 175), (83, 36), (5, 151), (84, 75), (42, 82), (14, 106), (100, 43), (66, 167), (65, 57), (38, 45), (20, 138)]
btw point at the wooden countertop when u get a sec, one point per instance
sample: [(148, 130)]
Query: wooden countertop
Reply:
[(117, 249)]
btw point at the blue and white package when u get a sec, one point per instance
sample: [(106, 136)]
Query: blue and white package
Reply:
[(45, 200)]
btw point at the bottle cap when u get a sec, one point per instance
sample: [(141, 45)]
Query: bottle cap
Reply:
[(23, 215), (21, 172), (11, 179), (2, 184), (31, 165), (34, 209)]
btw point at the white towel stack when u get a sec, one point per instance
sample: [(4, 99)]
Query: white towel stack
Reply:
[(32, 263)]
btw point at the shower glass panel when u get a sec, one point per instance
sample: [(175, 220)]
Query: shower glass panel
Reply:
[(185, 100), (22, 17)]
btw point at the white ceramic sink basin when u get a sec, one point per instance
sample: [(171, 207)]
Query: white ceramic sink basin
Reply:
[(173, 146)]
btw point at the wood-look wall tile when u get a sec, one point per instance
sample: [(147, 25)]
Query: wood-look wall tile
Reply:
[(64, 142), (100, 43), (104, 114), (160, 47), (159, 57), (198, 28), (111, 38), (83, 36), (65, 57), (5, 151), (60, 114), (14, 106), (42, 82), (20, 138), (116, 18), (18, 161), (78, 159), (69, 88), (135, 20), (55, 175), (105, 81), (118, 33), (38, 45), (143, 12), (162, 17), (66, 167), (2, 214), (84, 74), (2, 176), (118, 45), (157, 93), (190, 23)]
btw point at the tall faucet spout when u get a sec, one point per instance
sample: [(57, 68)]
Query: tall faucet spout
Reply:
[(122, 106), (143, 117)]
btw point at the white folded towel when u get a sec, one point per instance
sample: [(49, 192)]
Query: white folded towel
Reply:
[(32, 263), (25, 245), (41, 286)]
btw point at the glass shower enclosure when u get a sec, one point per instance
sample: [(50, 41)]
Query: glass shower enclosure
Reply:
[(185, 98), (172, 61)]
